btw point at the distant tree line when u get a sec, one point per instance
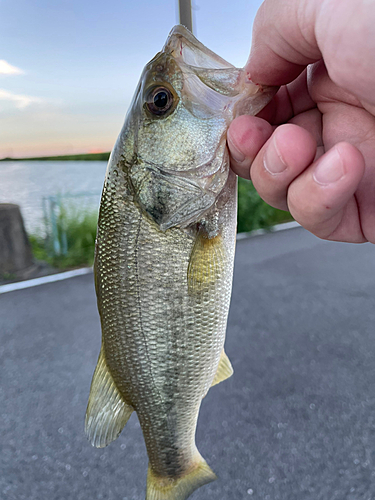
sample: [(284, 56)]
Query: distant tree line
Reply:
[(81, 157)]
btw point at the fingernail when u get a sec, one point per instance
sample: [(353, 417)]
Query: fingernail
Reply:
[(272, 159), (236, 154), (330, 168)]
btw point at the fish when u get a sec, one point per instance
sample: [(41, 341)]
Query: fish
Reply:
[(164, 258)]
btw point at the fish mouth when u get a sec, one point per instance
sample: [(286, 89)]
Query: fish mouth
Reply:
[(186, 49), (213, 86)]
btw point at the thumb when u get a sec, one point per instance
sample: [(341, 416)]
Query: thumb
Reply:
[(283, 42), (290, 34)]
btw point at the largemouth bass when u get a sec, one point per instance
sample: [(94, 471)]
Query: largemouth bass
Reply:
[(164, 259)]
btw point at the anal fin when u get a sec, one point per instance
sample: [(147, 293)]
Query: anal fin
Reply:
[(224, 370), (107, 412)]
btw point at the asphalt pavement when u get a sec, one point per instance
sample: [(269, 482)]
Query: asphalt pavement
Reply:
[(295, 422)]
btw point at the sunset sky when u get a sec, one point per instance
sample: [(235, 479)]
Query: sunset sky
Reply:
[(68, 68)]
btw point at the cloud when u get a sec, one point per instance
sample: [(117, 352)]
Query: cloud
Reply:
[(19, 100), (8, 69)]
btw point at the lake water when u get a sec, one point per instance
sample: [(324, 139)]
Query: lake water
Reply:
[(27, 182)]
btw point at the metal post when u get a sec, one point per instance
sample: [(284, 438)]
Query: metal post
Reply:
[(55, 231), (186, 18)]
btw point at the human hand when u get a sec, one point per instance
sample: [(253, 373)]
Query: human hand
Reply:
[(312, 149)]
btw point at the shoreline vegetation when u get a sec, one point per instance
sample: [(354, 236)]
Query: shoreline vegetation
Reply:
[(78, 157)]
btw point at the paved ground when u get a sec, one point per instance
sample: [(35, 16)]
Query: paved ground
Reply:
[(296, 422)]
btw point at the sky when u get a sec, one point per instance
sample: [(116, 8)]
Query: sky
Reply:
[(68, 68)]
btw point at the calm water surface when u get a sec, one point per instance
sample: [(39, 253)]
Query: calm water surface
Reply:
[(27, 182)]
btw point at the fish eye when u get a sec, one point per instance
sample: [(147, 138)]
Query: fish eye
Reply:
[(159, 101)]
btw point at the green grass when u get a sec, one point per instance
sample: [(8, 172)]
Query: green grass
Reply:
[(253, 212), (80, 232), (82, 157), (80, 228)]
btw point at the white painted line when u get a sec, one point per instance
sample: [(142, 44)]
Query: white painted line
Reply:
[(286, 225), (279, 227), (20, 285)]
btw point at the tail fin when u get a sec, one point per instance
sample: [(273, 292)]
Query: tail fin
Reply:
[(164, 488)]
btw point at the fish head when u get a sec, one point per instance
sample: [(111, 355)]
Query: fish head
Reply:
[(183, 105)]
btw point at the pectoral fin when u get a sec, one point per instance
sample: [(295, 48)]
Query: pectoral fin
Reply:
[(224, 370), (207, 261), (107, 412)]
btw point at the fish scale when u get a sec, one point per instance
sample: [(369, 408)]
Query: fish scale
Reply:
[(164, 333), (164, 259)]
